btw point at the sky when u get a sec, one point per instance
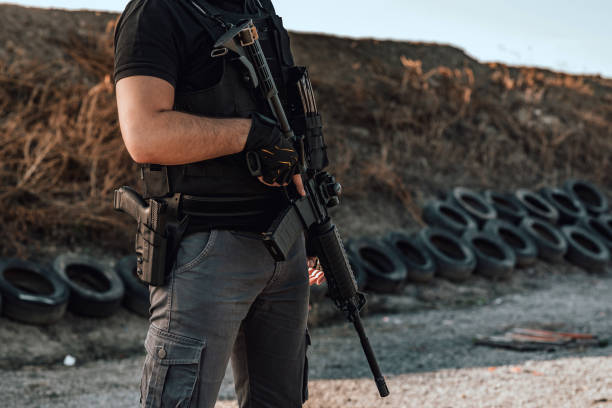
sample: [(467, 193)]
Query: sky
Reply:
[(562, 35)]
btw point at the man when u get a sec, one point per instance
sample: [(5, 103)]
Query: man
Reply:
[(188, 116)]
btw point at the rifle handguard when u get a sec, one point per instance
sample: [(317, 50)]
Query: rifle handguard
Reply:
[(327, 245)]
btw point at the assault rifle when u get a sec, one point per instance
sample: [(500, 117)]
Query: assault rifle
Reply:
[(322, 191)]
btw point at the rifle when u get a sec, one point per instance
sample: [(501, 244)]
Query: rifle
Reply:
[(322, 192)]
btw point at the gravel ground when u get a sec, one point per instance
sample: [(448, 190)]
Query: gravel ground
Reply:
[(568, 382), (428, 356)]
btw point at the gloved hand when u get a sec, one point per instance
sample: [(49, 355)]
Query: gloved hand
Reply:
[(278, 157)]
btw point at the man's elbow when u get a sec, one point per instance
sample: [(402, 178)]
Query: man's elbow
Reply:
[(139, 150), (140, 157)]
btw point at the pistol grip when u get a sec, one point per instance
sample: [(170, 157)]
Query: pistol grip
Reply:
[(128, 200)]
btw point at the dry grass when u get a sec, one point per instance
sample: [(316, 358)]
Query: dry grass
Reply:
[(61, 151), (428, 131), (394, 129)]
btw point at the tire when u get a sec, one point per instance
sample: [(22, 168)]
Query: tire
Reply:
[(537, 206), (589, 195), (136, 296), (494, 259), (95, 290), (420, 265), (448, 216), (585, 249), (552, 245), (473, 204), (32, 293), (525, 250), (385, 271), (600, 227), (508, 207), (569, 208), (454, 259), (607, 220)]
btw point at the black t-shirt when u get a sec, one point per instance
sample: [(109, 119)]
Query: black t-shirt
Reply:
[(168, 39)]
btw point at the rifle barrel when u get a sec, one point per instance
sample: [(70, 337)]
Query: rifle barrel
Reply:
[(369, 352)]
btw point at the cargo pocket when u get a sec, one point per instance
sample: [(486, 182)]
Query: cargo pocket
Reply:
[(171, 370), (305, 376)]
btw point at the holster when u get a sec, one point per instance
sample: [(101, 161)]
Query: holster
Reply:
[(151, 243), (151, 249)]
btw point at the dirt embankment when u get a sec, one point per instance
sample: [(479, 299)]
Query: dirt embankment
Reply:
[(404, 121)]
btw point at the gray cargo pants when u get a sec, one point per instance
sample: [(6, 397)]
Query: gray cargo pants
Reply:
[(227, 296)]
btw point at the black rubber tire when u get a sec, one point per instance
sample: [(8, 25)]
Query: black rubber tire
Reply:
[(454, 258), (507, 206), (607, 220), (136, 296), (525, 250), (494, 259), (589, 195), (95, 290), (31, 292), (552, 245), (585, 249), (537, 206), (420, 265), (599, 226), (385, 271), (473, 204), (448, 216), (569, 208)]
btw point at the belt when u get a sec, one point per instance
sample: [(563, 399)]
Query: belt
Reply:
[(253, 213), (225, 206), (278, 220)]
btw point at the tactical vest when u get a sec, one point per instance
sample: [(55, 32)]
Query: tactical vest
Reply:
[(231, 97)]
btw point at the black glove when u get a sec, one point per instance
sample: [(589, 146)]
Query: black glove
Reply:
[(277, 155)]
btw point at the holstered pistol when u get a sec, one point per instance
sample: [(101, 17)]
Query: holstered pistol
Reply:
[(151, 238)]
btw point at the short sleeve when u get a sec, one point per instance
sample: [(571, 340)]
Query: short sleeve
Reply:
[(147, 41)]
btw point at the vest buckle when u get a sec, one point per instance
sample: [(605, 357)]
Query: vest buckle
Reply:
[(248, 36)]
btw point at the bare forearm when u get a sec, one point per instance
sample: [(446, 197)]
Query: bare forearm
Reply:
[(173, 138), (155, 133)]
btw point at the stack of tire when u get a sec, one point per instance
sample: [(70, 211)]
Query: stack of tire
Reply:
[(490, 234), (35, 293)]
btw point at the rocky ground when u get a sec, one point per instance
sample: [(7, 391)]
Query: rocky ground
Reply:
[(426, 352)]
